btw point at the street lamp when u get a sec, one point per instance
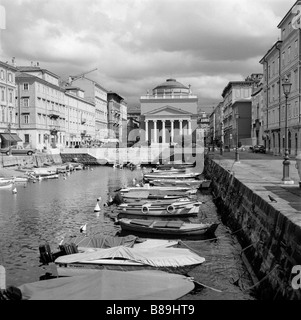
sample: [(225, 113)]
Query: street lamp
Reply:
[(236, 151), (9, 143), (286, 85), (222, 139)]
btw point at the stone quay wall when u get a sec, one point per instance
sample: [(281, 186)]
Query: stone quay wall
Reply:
[(30, 161), (271, 240)]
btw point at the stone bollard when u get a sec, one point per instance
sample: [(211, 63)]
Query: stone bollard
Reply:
[(298, 167)]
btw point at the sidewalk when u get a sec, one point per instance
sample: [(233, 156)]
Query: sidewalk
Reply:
[(264, 176)]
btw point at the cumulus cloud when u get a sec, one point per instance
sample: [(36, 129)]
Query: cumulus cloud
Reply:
[(136, 44)]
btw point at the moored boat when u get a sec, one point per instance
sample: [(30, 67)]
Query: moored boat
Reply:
[(146, 195), (174, 228), (6, 183), (180, 209), (154, 176), (168, 166), (159, 190), (110, 285), (193, 183), (175, 260)]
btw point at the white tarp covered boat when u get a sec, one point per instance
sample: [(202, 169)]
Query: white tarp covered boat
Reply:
[(176, 260), (111, 285)]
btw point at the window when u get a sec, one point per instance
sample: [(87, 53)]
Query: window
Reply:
[(10, 97), (26, 102), (296, 47), (273, 92), (289, 54), (26, 119), (283, 58), (26, 138), (39, 138), (2, 95), (10, 77), (2, 74), (10, 116), (25, 86), (273, 68)]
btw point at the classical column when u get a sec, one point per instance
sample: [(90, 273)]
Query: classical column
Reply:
[(172, 129), (189, 127), (181, 127), (155, 131), (163, 133), (146, 130)]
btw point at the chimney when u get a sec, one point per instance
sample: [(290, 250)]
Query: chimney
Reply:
[(14, 62), (38, 64)]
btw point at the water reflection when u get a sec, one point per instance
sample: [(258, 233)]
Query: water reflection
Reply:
[(49, 210)]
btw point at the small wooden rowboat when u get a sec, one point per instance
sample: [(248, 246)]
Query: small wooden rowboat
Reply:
[(146, 195), (166, 228), (154, 176), (172, 210), (163, 202), (177, 183), (168, 166), (160, 190)]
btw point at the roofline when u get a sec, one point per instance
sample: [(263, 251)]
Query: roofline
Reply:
[(97, 84), (231, 83), (111, 92), (79, 98), (37, 69), (287, 14), (242, 101), (35, 78), (270, 50), (6, 65)]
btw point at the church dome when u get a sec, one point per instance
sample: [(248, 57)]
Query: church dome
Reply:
[(171, 86)]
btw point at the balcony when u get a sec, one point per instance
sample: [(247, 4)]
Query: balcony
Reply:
[(53, 113)]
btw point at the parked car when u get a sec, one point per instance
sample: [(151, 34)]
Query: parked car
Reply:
[(17, 150), (259, 148)]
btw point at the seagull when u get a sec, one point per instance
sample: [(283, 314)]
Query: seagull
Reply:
[(83, 228), (272, 199)]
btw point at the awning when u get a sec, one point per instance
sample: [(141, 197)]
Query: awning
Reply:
[(10, 137)]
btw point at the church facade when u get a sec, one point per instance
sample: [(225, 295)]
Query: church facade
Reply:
[(168, 113)]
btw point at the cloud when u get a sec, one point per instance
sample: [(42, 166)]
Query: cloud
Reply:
[(136, 44)]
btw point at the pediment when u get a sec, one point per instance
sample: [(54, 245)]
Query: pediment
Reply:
[(168, 110)]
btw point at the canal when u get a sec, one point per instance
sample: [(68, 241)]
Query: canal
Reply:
[(48, 210)]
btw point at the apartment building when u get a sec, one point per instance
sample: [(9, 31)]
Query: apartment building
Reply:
[(8, 123), (41, 109), (257, 114), (116, 104), (233, 92), (97, 94), (80, 118), (49, 115), (282, 61)]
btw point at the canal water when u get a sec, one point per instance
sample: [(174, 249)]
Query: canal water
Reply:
[(48, 210)]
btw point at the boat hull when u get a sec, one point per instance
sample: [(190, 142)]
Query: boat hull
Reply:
[(69, 270), (189, 229), (177, 183), (156, 176), (159, 212)]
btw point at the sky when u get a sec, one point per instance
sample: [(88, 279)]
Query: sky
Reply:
[(137, 44)]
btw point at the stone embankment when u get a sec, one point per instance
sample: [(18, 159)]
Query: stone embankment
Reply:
[(270, 232), (30, 161)]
